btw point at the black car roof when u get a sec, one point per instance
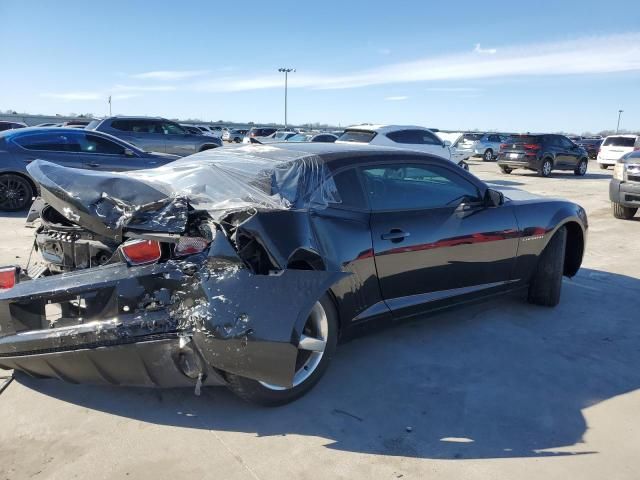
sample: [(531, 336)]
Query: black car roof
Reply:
[(325, 152)]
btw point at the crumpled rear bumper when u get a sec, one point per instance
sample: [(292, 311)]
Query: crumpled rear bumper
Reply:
[(147, 363), (165, 325)]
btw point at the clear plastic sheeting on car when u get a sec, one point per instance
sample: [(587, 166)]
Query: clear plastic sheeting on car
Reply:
[(218, 181)]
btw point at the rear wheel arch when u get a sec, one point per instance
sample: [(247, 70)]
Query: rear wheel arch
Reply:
[(304, 259), (574, 249)]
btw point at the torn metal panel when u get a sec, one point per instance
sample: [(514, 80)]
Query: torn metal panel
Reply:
[(252, 323)]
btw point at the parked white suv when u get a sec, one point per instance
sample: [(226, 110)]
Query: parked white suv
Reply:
[(615, 147), (398, 136)]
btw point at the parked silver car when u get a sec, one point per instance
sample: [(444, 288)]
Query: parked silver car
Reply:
[(155, 134), (486, 145)]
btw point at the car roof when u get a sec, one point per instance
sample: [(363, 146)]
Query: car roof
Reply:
[(326, 152), (380, 128), (626, 135)]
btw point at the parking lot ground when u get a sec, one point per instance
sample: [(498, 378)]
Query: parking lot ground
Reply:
[(497, 390)]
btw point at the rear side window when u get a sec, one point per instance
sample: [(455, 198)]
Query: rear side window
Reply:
[(619, 142), (414, 137), (342, 190), (414, 186), (53, 142), (357, 136), (137, 126), (495, 138)]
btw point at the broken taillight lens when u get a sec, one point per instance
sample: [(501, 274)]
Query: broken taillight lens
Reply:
[(8, 277), (139, 252), (190, 246)]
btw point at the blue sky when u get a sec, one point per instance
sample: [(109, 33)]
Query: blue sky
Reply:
[(561, 65)]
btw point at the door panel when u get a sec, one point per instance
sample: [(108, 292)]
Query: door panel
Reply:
[(445, 247), (443, 253)]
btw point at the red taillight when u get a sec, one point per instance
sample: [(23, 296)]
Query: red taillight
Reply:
[(635, 149), (139, 252), (190, 246), (503, 146), (531, 146), (8, 277)]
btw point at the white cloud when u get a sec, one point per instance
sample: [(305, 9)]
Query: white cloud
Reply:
[(485, 51), (75, 96), (453, 89), (143, 88), (398, 98), (169, 74), (124, 96), (587, 55)]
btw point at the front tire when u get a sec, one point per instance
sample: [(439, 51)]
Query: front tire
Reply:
[(546, 282), (506, 170), (16, 193), (603, 166), (488, 155), (315, 351), (581, 169), (622, 212)]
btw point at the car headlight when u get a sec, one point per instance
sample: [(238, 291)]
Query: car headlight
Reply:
[(618, 171)]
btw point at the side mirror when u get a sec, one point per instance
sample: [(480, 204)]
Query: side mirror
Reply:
[(129, 153), (493, 198), (446, 143)]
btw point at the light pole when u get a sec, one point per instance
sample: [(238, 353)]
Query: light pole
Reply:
[(286, 72), (619, 114), (109, 100)]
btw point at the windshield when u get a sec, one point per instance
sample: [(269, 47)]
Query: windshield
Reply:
[(524, 139), (619, 142)]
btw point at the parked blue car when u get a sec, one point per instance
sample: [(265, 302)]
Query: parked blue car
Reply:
[(70, 147)]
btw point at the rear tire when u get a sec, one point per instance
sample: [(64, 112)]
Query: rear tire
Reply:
[(603, 166), (622, 212), (506, 170), (545, 168), (16, 193), (488, 155), (546, 282), (267, 395), (581, 169)]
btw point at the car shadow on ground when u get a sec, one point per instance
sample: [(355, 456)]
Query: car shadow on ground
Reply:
[(20, 214), (499, 379), (563, 175)]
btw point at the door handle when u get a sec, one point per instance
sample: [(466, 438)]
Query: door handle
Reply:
[(395, 235), (92, 164)]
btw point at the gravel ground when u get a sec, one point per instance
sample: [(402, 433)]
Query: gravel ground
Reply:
[(499, 390)]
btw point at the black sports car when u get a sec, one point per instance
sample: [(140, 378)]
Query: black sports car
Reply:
[(243, 267)]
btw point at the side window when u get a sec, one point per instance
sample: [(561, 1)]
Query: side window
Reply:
[(122, 125), (430, 139), (416, 186), (566, 143), (53, 142), (494, 138), (414, 137), (169, 128), (95, 144), (345, 190)]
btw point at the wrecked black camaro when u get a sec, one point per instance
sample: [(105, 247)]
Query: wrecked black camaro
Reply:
[(242, 267)]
